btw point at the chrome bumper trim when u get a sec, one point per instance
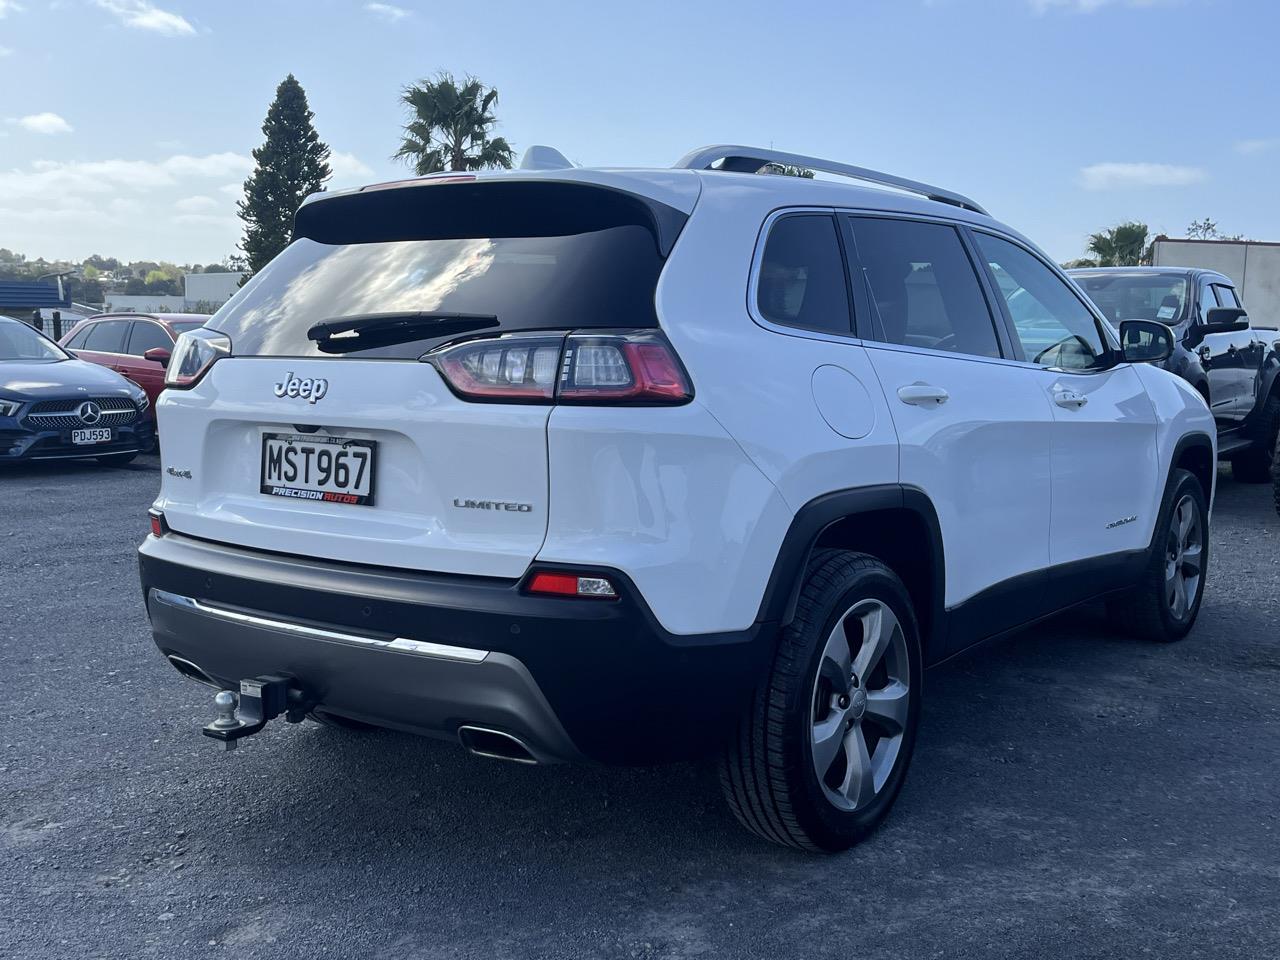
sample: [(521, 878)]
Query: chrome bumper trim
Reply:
[(424, 648)]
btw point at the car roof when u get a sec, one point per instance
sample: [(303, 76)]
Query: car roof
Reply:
[(165, 318), (1190, 272)]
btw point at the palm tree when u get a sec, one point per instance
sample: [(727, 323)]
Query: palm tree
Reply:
[(1122, 246), (449, 127)]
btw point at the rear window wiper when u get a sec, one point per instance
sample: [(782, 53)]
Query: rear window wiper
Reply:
[(368, 330)]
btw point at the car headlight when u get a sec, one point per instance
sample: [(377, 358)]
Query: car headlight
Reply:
[(141, 400), (194, 353), (9, 408)]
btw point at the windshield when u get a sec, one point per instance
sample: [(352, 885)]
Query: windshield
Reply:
[(19, 342), (601, 278), (1137, 296)]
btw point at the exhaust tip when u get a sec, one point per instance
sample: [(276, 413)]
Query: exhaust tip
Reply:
[(484, 742), (192, 671)]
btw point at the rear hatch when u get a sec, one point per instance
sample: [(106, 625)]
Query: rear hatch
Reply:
[(323, 432)]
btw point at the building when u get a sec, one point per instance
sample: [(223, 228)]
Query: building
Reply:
[(213, 289), (205, 293)]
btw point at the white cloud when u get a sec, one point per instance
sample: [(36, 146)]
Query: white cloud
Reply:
[(142, 15), (1112, 176), (1091, 6), (48, 180), (347, 167), (46, 123), (9, 6), (5, 51), (383, 11), (196, 204), (1260, 145)]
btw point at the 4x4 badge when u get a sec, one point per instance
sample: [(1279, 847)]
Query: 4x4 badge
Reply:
[(305, 389)]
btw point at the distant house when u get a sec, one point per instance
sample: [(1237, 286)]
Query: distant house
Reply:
[(213, 289), (18, 298), (206, 292)]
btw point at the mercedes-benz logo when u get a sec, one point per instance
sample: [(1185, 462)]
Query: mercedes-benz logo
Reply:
[(89, 413)]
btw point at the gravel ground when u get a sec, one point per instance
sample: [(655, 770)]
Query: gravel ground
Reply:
[(1073, 793)]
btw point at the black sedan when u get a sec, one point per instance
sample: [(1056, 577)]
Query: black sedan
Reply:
[(53, 406)]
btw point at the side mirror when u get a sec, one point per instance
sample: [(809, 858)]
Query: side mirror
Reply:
[(1145, 341), (158, 355), (1225, 320)]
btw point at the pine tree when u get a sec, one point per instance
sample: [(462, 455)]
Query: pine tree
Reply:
[(291, 163)]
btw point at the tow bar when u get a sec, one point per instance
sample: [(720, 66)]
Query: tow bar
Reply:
[(260, 699)]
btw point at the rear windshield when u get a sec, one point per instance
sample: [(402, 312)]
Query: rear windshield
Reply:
[(1151, 296), (602, 277)]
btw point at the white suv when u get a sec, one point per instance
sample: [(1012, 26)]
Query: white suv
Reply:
[(634, 465)]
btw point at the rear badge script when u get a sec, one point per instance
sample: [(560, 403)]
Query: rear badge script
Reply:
[(304, 388), (492, 505)]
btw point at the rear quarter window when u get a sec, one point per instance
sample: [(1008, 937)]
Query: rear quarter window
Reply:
[(802, 280)]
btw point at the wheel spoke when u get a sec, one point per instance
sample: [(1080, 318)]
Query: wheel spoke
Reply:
[(1191, 560), (828, 737), (888, 706), (837, 657), (858, 786), (1186, 514), (1178, 598), (878, 628)]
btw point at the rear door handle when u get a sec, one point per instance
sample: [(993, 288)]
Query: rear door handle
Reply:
[(1069, 399), (923, 395)]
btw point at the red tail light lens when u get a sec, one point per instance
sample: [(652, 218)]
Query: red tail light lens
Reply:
[(571, 585), (158, 527), (511, 367), (609, 366), (622, 366), (193, 354)]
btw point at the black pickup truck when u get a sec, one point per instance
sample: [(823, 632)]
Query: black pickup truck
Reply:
[(1234, 365)]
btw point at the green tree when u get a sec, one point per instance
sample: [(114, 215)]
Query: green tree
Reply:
[(291, 164), (449, 127), (1121, 246)]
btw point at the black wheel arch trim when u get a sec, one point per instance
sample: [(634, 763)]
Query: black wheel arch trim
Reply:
[(821, 513)]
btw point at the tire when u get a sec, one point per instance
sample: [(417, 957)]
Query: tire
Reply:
[(809, 701), (1275, 476), (116, 459), (1254, 465), (1165, 603)]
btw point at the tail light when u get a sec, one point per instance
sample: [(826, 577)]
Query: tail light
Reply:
[(601, 367), (158, 527), (559, 584), (193, 354)]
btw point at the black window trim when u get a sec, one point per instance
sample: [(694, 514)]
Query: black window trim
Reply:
[(757, 260), (124, 342), (1011, 330), (869, 336)]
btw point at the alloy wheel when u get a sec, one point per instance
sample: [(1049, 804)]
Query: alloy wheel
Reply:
[(861, 700), (1183, 557)]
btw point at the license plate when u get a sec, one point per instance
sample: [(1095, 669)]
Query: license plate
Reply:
[(94, 435), (327, 469)]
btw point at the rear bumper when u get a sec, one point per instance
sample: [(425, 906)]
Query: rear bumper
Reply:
[(574, 679)]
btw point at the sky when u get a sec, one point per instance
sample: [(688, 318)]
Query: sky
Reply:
[(126, 125)]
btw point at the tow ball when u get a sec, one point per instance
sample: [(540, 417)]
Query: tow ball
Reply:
[(260, 699)]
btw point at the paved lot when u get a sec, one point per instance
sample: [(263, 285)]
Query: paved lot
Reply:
[(1074, 794)]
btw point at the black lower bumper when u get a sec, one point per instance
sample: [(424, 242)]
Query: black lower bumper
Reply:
[(36, 444), (576, 679)]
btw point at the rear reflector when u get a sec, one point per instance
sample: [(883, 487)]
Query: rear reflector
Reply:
[(571, 585), (158, 526)]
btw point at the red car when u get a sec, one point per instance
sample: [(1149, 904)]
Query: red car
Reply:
[(136, 345)]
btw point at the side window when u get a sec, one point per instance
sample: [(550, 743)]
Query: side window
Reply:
[(1055, 328), (76, 342), (924, 287), (1208, 300), (147, 335), (802, 275), (107, 336), (1227, 296)]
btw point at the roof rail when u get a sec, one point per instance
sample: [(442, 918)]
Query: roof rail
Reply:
[(739, 159)]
